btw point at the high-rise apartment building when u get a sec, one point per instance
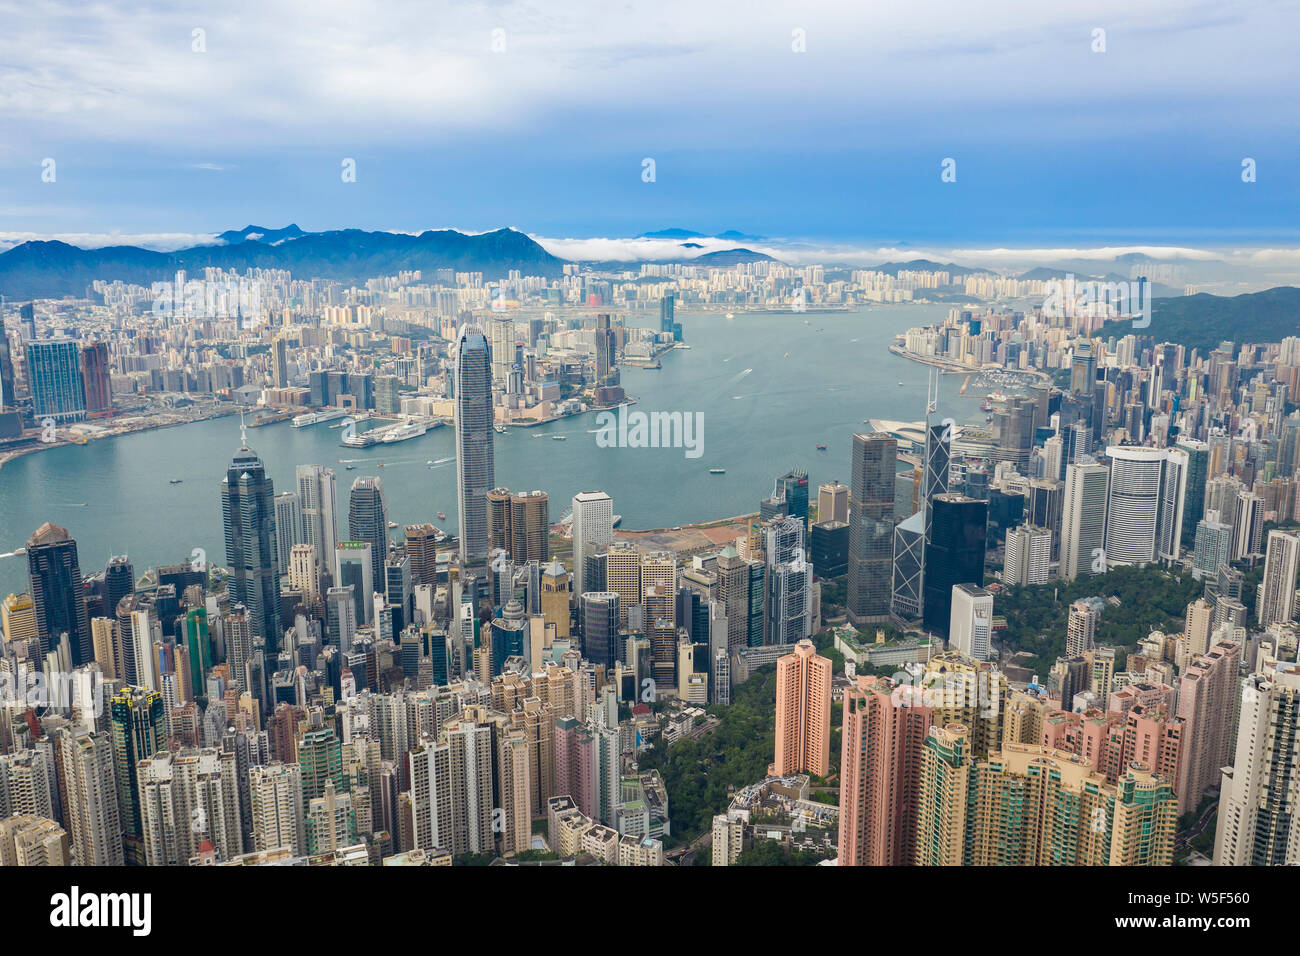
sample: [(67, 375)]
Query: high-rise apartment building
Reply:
[(883, 729), (1277, 591), (803, 712)]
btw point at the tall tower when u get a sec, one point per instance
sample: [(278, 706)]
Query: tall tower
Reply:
[(593, 531), (138, 733), (871, 526), (803, 712), (1083, 518), (1276, 604), (368, 521), (1260, 787), (248, 510), (475, 474), (318, 499), (54, 573)]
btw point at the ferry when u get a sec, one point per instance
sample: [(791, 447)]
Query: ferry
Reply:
[(618, 520), (315, 418), (558, 437), (411, 429)]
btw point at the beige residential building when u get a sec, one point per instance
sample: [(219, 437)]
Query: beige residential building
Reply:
[(803, 712)]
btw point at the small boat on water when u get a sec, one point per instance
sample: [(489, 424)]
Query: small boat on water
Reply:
[(717, 471), (442, 516), (499, 429), (558, 437), (174, 481), (392, 524), (821, 447), (429, 462)]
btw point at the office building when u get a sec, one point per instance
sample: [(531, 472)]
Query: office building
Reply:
[(871, 527), (970, 630), (248, 514), (54, 581), (475, 472)]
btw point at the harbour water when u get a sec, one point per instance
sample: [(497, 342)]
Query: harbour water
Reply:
[(770, 387)]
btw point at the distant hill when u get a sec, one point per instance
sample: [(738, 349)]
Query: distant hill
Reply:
[(925, 265), (732, 235), (1203, 321), (53, 269), (261, 234), (730, 257)]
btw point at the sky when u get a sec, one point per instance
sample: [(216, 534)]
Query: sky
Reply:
[(818, 125)]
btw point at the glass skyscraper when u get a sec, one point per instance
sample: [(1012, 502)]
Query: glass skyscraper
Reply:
[(248, 511), (475, 474), (954, 555), (871, 526), (54, 377)]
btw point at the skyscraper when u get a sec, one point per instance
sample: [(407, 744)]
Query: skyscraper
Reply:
[(871, 526), (96, 377), (54, 574), (1083, 518), (803, 712), (953, 555), (971, 626), (318, 499), (1144, 512), (248, 511), (600, 628), (288, 527), (1028, 556), (1198, 471), (793, 485), (368, 521), (54, 379), (139, 732), (1260, 787), (833, 502), (1276, 602), (879, 772), (593, 532), (475, 474)]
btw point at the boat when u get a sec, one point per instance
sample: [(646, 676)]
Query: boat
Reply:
[(315, 418), (392, 524), (900, 383), (558, 437), (350, 467), (381, 464), (409, 429), (499, 429), (821, 447), (442, 516), (618, 520), (717, 471), (429, 462), (731, 315), (174, 481)]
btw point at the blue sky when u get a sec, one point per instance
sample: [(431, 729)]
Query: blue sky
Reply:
[(1055, 144)]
